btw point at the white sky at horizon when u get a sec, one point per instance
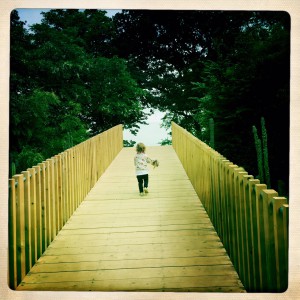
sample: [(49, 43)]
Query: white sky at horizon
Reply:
[(150, 135)]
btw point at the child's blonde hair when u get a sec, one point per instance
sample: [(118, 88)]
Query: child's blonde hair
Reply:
[(140, 148)]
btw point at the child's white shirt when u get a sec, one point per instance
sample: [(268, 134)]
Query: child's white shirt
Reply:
[(141, 161)]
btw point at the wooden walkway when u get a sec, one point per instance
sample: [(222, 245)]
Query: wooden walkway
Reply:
[(119, 241)]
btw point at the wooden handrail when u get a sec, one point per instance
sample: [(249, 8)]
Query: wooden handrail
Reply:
[(42, 198), (251, 220)]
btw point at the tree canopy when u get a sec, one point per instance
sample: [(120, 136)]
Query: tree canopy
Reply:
[(233, 67), (66, 85), (80, 72)]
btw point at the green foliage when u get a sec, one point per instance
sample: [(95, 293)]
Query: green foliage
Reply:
[(259, 154), (265, 152), (68, 86), (249, 79), (28, 157), (114, 96), (12, 169), (90, 29), (127, 143), (165, 142), (211, 133), (261, 146)]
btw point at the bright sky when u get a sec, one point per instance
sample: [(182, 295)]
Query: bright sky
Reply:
[(33, 16), (150, 135)]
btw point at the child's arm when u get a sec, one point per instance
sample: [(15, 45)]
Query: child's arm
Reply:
[(149, 160), (153, 162)]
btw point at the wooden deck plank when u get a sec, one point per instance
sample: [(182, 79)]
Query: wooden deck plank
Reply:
[(119, 241), (126, 251)]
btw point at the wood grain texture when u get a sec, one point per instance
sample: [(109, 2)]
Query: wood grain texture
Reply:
[(117, 240)]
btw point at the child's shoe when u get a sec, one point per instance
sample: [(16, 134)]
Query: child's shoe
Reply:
[(146, 190), (141, 194)]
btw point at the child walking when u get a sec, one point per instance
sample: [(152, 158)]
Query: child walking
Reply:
[(141, 161)]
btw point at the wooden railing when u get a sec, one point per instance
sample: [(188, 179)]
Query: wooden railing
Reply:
[(43, 198), (251, 220)]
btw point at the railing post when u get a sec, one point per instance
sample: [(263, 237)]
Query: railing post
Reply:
[(48, 229), (72, 183), (58, 184), (69, 184), (243, 178), (43, 206), (20, 224), (239, 197), (33, 214), (278, 261), (12, 238), (283, 246), (232, 214), (268, 238), (246, 220), (65, 184), (76, 181), (259, 217), (225, 236), (52, 199), (253, 232), (27, 221), (39, 226)]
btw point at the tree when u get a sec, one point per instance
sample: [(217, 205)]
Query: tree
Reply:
[(99, 88), (41, 116), (230, 66), (91, 29), (251, 82), (167, 49), (114, 96), (69, 93)]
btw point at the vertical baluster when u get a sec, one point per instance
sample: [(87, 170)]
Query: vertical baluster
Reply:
[(256, 282), (76, 183), (67, 186), (52, 199), (283, 251), (266, 235), (276, 245), (12, 230), (232, 214), (239, 219), (246, 220), (47, 205), (33, 214), (39, 222), (58, 184), (259, 217), (27, 221), (20, 228), (43, 206)]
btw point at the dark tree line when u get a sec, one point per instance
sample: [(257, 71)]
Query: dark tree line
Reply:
[(80, 72), (233, 67)]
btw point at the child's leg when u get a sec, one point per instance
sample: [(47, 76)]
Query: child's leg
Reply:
[(146, 180), (140, 181)]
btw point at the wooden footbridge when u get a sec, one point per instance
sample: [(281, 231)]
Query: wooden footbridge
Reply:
[(77, 222)]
